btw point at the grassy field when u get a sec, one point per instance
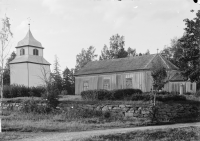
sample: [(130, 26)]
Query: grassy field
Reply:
[(176, 134)]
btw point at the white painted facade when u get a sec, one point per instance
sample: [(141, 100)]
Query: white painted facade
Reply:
[(29, 68)]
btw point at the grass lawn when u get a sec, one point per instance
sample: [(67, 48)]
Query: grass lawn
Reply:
[(176, 134)]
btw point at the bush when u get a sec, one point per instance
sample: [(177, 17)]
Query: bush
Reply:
[(64, 92), (170, 97), (122, 94), (51, 98), (22, 91), (142, 97), (35, 106), (96, 95)]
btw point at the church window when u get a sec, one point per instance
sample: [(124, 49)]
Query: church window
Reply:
[(106, 84), (85, 85), (35, 52), (128, 82), (22, 51)]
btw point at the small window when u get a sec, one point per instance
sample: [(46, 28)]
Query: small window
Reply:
[(129, 83), (85, 85), (106, 84), (191, 86), (35, 52), (22, 51)]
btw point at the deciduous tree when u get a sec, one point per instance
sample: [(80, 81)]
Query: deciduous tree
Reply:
[(84, 57), (116, 49), (190, 45), (6, 73)]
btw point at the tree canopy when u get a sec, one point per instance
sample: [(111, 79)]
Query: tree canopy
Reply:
[(116, 48), (84, 57)]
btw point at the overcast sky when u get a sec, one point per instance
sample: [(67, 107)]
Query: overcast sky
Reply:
[(64, 27)]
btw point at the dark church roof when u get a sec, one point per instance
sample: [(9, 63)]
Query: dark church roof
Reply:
[(29, 40), (30, 59), (144, 62)]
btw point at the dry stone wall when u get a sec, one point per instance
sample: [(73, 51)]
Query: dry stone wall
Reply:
[(141, 110)]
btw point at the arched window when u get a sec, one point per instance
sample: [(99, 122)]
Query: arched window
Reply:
[(35, 52), (22, 51)]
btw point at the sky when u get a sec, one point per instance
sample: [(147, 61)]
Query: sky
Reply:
[(64, 27)]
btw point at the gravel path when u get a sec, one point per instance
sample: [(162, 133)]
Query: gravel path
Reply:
[(77, 135)]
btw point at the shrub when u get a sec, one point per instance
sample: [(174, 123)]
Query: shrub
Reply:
[(64, 92), (197, 94), (22, 91), (96, 95), (122, 94), (170, 97), (35, 106), (142, 97)]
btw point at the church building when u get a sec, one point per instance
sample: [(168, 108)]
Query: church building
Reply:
[(29, 68)]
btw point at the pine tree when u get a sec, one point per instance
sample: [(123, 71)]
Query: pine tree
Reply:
[(57, 75)]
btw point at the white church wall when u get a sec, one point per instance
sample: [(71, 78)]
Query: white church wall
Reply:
[(19, 74), (36, 74)]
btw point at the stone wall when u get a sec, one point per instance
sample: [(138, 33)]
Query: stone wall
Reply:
[(137, 110), (164, 112)]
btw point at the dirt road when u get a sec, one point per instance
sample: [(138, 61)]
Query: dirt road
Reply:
[(77, 135)]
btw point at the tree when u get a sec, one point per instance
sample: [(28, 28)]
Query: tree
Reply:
[(5, 36), (105, 54), (57, 75), (116, 49), (159, 75), (190, 45), (131, 52), (84, 57), (173, 52), (6, 73), (68, 81), (147, 52)]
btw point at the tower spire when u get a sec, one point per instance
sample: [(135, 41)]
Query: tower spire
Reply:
[(29, 22)]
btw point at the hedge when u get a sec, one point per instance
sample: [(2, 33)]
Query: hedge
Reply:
[(11, 91), (128, 94), (102, 94), (96, 95)]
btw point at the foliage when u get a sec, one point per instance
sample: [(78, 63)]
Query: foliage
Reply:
[(96, 95), (57, 76), (122, 94), (68, 81), (11, 91), (173, 52), (159, 74), (190, 41), (84, 57), (5, 36), (116, 49), (6, 73), (35, 106), (141, 97), (131, 52)]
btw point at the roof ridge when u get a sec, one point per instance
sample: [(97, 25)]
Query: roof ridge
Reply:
[(150, 61), (164, 61)]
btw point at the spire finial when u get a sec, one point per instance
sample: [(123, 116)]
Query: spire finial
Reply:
[(157, 50), (29, 22)]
